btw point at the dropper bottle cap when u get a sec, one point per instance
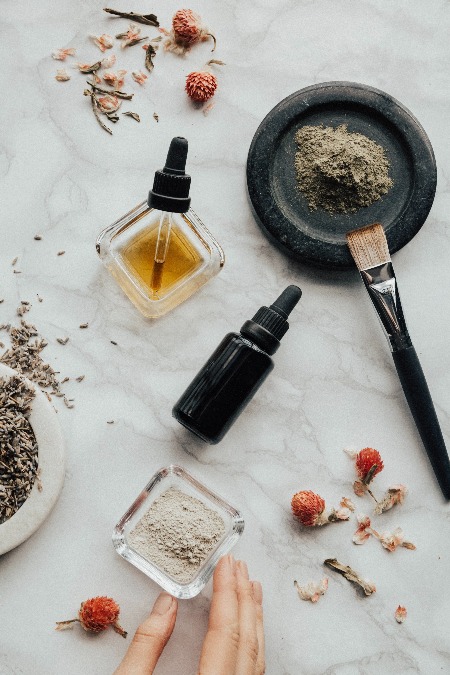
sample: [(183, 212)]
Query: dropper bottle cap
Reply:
[(171, 185), (270, 323)]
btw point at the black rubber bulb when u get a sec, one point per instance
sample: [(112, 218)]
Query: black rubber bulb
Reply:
[(286, 302), (176, 157)]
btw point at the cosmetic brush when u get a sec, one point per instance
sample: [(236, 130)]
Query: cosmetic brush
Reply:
[(370, 251)]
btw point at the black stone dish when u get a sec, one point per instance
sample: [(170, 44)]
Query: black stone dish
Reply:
[(318, 237)]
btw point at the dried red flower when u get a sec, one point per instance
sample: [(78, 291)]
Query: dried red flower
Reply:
[(368, 464), (201, 85), (307, 507), (95, 615), (186, 25), (187, 29)]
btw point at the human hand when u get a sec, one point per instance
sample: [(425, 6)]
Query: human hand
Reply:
[(234, 642)]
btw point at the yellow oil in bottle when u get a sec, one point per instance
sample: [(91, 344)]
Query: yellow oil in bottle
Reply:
[(181, 261)]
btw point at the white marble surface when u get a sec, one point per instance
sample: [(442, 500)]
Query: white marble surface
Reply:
[(334, 382)]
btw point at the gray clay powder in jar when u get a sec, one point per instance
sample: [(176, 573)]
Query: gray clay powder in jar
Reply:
[(177, 534)]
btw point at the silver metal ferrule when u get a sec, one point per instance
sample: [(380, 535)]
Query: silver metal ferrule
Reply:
[(382, 286)]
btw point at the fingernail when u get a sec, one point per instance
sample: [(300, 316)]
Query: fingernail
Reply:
[(163, 603), (257, 592), (242, 568)]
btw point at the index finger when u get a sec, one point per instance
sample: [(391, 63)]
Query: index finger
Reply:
[(220, 647)]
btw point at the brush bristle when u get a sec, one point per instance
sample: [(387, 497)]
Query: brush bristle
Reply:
[(368, 246)]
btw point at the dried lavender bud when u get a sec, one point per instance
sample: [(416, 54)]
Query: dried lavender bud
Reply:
[(18, 446), (24, 355)]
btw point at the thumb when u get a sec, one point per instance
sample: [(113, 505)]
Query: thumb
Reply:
[(150, 638)]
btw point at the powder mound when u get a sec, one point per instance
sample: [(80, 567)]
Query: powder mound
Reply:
[(339, 171), (177, 534)]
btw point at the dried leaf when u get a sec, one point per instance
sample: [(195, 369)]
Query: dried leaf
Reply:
[(136, 117), (147, 19), (111, 92), (350, 574), (86, 68), (150, 52)]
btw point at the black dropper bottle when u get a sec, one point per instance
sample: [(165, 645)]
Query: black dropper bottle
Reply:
[(235, 371)]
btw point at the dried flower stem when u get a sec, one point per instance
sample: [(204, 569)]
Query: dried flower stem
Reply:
[(95, 110), (111, 92), (63, 625), (147, 19), (350, 575)]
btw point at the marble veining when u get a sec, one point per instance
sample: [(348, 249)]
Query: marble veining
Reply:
[(334, 383)]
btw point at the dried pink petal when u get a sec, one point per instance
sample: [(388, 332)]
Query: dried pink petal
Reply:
[(132, 36), (364, 530), (395, 495), (115, 80), (109, 103), (359, 488), (103, 42), (400, 614), (341, 514), (391, 540), (62, 75), (351, 451), (313, 590), (109, 61), (138, 76), (62, 54), (347, 503)]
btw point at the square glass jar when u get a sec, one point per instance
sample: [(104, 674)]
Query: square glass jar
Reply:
[(175, 476), (194, 257)]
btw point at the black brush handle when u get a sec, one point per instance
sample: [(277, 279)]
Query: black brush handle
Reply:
[(419, 400)]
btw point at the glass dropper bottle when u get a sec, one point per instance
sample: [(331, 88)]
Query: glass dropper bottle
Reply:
[(160, 252)]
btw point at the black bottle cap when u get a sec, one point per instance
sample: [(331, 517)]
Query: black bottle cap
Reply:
[(171, 185), (270, 323)]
